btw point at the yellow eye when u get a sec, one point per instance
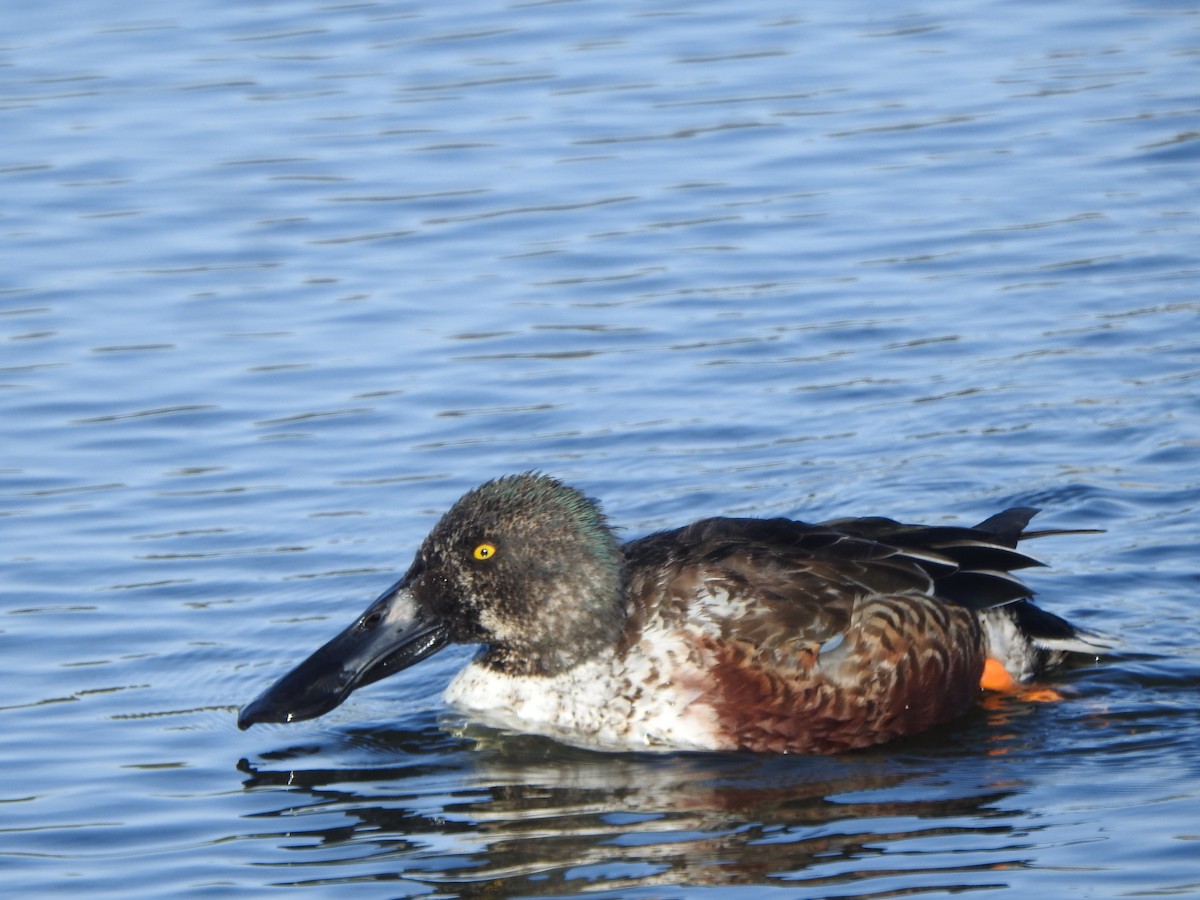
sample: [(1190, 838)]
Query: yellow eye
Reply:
[(484, 551)]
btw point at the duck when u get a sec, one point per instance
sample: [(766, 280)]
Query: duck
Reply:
[(767, 635)]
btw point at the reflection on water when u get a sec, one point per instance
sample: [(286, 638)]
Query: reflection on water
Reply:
[(484, 814)]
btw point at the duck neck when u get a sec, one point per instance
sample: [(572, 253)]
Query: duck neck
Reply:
[(582, 617)]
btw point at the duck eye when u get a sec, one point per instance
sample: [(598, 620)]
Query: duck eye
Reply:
[(484, 551)]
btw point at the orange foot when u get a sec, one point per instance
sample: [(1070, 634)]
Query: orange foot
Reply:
[(996, 678), (1040, 695)]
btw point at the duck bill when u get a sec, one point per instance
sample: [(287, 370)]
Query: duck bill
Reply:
[(393, 634)]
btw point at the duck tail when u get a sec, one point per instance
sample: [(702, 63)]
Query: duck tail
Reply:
[(1008, 526), (1056, 635), (1026, 639)]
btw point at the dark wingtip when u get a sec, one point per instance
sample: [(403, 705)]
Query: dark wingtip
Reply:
[(1009, 524)]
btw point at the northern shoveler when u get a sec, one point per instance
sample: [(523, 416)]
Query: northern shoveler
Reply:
[(726, 634)]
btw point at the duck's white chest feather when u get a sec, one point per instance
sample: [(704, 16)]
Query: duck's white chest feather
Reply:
[(649, 698)]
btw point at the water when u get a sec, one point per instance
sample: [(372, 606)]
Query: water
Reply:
[(281, 280)]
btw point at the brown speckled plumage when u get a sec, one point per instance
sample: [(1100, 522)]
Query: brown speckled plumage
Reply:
[(905, 659), (726, 634)]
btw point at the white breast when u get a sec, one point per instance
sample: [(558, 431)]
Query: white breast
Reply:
[(650, 698)]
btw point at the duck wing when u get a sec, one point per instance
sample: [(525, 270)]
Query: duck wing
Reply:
[(783, 581)]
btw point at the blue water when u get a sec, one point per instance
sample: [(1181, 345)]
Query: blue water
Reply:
[(281, 280)]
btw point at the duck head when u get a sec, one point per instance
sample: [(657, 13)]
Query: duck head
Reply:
[(524, 565)]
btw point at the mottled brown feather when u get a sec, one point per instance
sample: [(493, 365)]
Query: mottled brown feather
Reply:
[(908, 664), (842, 641)]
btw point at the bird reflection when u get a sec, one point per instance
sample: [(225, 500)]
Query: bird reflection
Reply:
[(475, 812)]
